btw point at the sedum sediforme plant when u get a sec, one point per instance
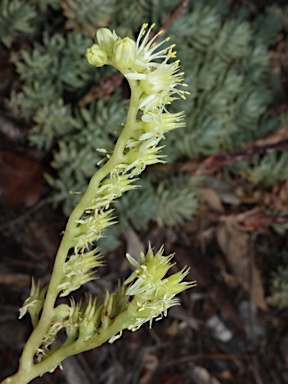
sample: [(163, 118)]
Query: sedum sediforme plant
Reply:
[(147, 293)]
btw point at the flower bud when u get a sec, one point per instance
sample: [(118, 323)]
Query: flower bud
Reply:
[(72, 324), (34, 303), (91, 318), (61, 312), (124, 52), (96, 55), (106, 39)]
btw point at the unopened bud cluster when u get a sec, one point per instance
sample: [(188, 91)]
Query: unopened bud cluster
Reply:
[(111, 49)]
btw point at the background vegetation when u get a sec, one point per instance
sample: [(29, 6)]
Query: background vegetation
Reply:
[(220, 202)]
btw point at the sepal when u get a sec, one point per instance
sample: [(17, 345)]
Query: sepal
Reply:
[(91, 318), (114, 304), (34, 303)]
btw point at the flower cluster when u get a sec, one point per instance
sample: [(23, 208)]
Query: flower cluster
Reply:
[(145, 64), (153, 292), (154, 82), (79, 269), (145, 295)]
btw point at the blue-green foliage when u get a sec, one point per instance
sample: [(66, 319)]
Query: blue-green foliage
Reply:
[(225, 54), (76, 156), (269, 170), (43, 5), (16, 17), (226, 59), (47, 128), (50, 69)]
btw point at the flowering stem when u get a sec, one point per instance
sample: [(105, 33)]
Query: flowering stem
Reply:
[(24, 376), (26, 361), (146, 294)]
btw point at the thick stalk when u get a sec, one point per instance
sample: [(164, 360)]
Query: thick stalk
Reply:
[(24, 377)]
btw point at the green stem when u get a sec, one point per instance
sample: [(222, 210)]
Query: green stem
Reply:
[(27, 369), (24, 376)]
